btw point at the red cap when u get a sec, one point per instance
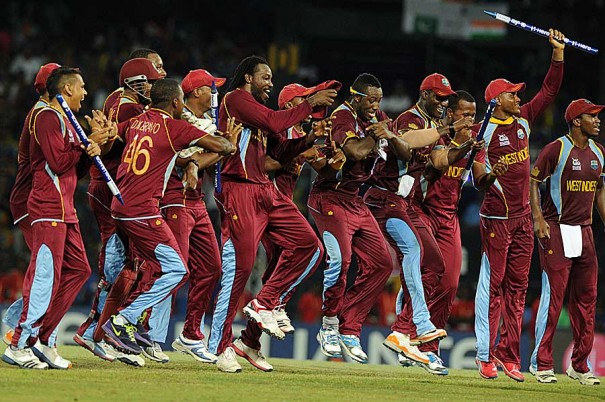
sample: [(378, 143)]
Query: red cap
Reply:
[(42, 76), (200, 78), (291, 91), (581, 106), (438, 84), (138, 69), (497, 86)]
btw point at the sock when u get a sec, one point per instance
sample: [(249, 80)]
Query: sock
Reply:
[(330, 322)]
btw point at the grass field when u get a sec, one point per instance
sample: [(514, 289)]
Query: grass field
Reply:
[(183, 379)]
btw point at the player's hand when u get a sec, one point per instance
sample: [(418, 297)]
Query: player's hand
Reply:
[(381, 130), (478, 145), (92, 149), (103, 135), (321, 128), (233, 131), (311, 154), (190, 176), (464, 123), (499, 168), (337, 160), (541, 228), (556, 39), (325, 97)]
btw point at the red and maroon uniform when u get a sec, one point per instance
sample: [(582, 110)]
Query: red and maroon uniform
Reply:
[(573, 175), (58, 266), (250, 204), (418, 252), (283, 149), (438, 209), (152, 141), (23, 181), (346, 226), (506, 228), (111, 100)]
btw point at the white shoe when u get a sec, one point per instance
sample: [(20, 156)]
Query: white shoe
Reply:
[(404, 361), (329, 341), (99, 349), (400, 343), (156, 353), (283, 321), (584, 378), (544, 376), (227, 361), (435, 365), (254, 356), (351, 345), (50, 356), (126, 358), (197, 349), (23, 358), (264, 318)]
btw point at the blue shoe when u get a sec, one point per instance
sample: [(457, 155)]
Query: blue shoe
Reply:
[(435, 365), (352, 347), (122, 335), (328, 338), (196, 349), (142, 336)]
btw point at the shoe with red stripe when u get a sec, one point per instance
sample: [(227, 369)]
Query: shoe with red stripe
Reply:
[(487, 370), (254, 356), (510, 369), (264, 318)]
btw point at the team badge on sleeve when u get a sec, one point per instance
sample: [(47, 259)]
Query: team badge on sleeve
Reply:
[(535, 171), (520, 134)]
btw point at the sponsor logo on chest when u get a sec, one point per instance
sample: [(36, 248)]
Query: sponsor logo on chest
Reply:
[(520, 134), (575, 164), (594, 165), (504, 141)]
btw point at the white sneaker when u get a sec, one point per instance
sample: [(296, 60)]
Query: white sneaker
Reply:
[(23, 358), (50, 356), (264, 318), (283, 321), (544, 376), (197, 349), (227, 361), (155, 353), (404, 361), (400, 343), (126, 358), (351, 345), (584, 378), (435, 365), (99, 349), (254, 356), (329, 341)]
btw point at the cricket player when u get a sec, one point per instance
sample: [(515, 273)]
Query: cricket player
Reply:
[(153, 140), (252, 206), (58, 266), (506, 227), (572, 166)]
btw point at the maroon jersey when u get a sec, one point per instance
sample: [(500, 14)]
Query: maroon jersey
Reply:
[(123, 109), (248, 163), (111, 99), (285, 149), (54, 154), (573, 176), (508, 140), (444, 193), (387, 173), (346, 125), (23, 182), (152, 140)]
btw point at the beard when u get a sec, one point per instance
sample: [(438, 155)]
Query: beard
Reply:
[(258, 93)]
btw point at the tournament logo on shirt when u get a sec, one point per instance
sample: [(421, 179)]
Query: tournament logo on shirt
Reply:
[(504, 141), (520, 134), (71, 135), (575, 164), (594, 165)]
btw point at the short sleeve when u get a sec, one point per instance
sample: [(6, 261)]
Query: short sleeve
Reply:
[(343, 127), (547, 161)]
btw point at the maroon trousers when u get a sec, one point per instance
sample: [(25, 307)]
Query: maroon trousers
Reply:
[(250, 211), (56, 273), (193, 231), (346, 227), (577, 276)]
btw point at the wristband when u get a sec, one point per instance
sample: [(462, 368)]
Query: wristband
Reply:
[(452, 131), (454, 143), (192, 161)]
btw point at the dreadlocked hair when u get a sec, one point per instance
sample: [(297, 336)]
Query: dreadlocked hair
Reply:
[(246, 66)]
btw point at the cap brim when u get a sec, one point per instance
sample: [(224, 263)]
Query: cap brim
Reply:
[(520, 87), (440, 92), (593, 109), (219, 82)]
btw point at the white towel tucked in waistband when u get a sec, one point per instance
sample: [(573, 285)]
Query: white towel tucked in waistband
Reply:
[(572, 240)]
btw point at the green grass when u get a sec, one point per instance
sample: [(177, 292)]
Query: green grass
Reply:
[(183, 379)]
